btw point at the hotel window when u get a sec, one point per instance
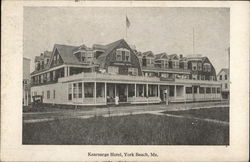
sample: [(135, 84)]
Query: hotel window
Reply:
[(194, 66), (74, 90), (225, 85), (166, 64), (48, 94), (225, 77), (195, 89), (199, 66), (213, 90), (207, 67), (218, 90), (69, 91), (122, 54), (189, 90), (113, 70), (152, 90), (127, 53), (185, 65), (42, 94), (208, 90), (89, 90), (201, 90), (203, 77), (54, 94), (118, 55), (164, 75), (194, 77), (175, 64), (220, 77), (148, 61), (133, 71), (79, 90), (100, 89), (131, 90), (83, 56)]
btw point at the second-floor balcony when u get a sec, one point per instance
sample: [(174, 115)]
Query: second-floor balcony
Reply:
[(168, 70)]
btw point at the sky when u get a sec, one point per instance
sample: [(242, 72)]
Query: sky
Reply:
[(156, 29)]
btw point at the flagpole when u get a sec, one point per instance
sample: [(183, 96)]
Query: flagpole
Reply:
[(126, 23)]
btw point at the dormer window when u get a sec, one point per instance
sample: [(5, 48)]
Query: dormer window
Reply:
[(207, 67), (166, 64), (199, 66), (175, 64), (194, 66), (82, 56), (122, 54)]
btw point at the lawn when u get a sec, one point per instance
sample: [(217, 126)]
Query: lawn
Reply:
[(221, 114), (144, 129)]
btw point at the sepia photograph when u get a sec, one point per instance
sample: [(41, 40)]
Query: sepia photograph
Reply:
[(126, 76)]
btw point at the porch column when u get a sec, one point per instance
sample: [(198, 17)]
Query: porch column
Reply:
[(68, 71), (143, 90), (95, 93), (147, 90), (105, 92), (77, 91), (115, 90), (135, 90), (158, 90), (65, 71), (175, 91), (27, 98), (127, 91), (83, 95), (184, 93), (72, 89)]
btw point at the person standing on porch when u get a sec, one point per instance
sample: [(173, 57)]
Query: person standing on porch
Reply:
[(116, 100)]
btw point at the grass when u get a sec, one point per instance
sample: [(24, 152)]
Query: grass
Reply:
[(144, 129), (211, 113)]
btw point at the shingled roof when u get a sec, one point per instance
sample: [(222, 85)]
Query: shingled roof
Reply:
[(109, 48), (161, 56), (66, 52)]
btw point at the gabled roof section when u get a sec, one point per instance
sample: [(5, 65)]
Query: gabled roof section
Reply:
[(173, 57), (66, 53), (110, 47), (138, 54), (226, 70), (99, 47), (161, 56), (148, 54)]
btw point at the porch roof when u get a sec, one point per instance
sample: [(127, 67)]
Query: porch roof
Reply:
[(116, 78)]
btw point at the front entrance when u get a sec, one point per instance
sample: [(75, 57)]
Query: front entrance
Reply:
[(122, 92), (162, 92)]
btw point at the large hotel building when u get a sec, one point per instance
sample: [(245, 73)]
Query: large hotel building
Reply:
[(80, 75)]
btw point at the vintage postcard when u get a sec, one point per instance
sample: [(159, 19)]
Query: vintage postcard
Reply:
[(125, 81)]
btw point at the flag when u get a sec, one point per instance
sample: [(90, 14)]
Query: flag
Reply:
[(127, 22)]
